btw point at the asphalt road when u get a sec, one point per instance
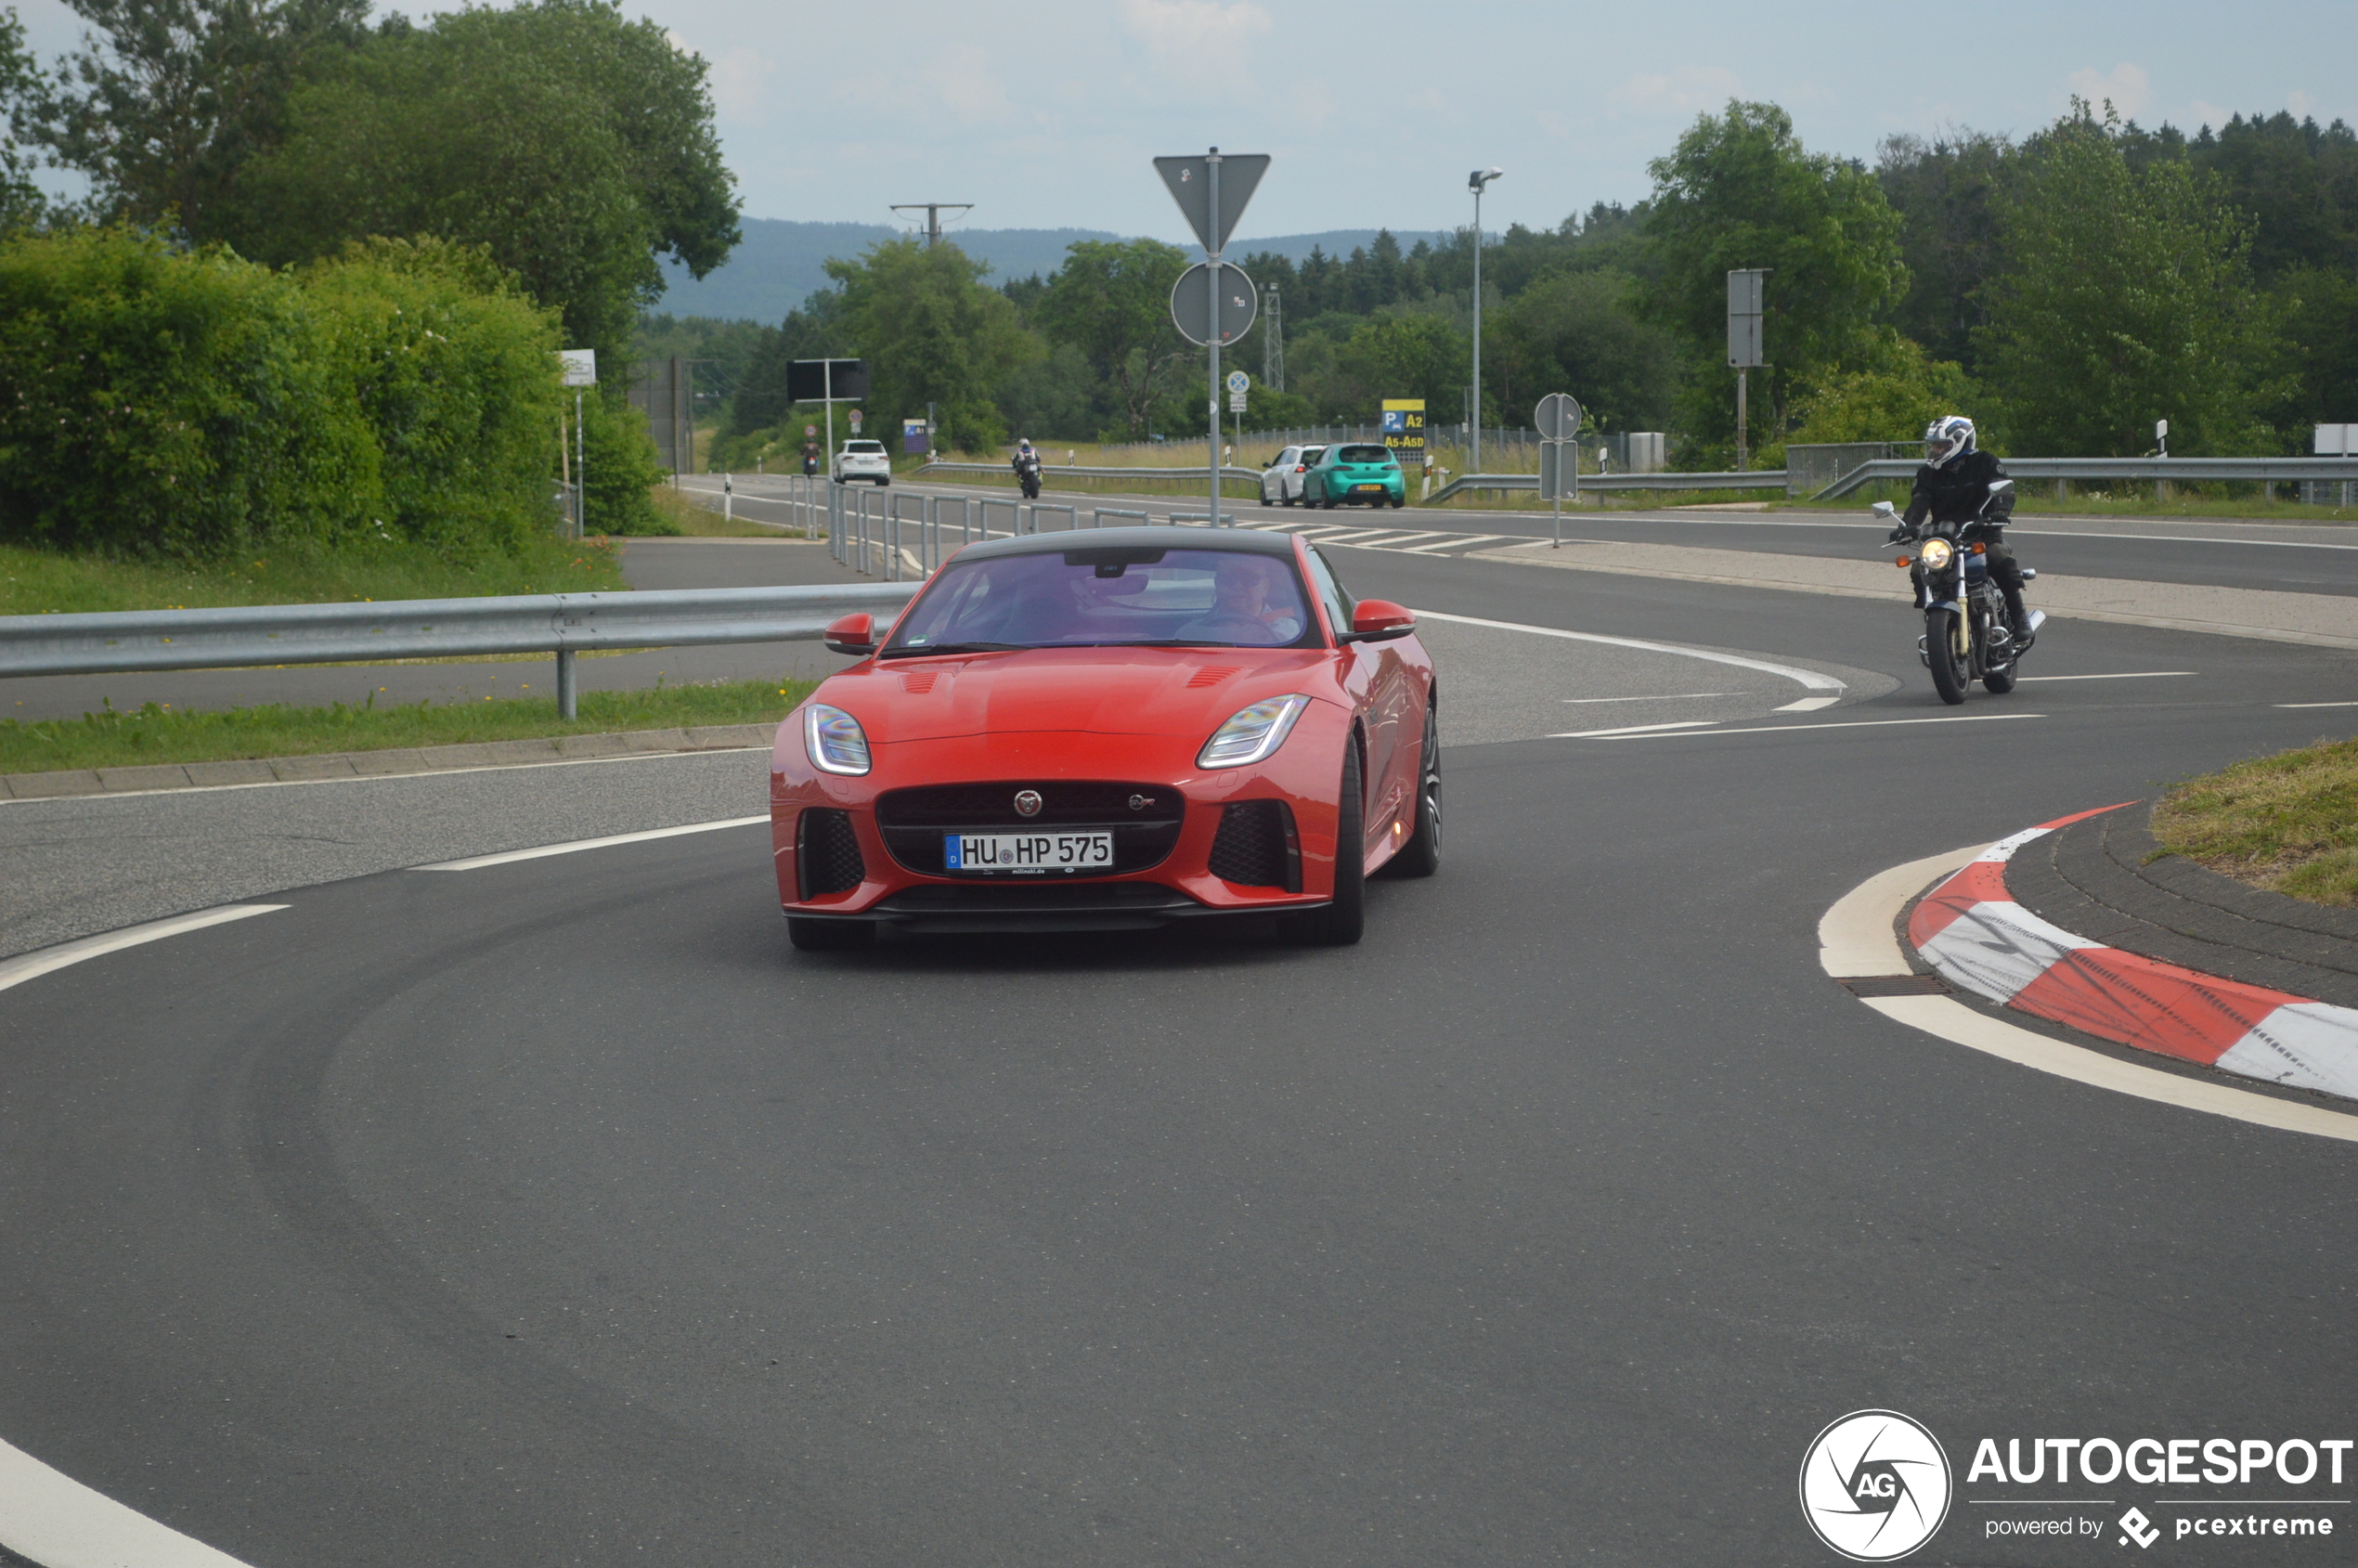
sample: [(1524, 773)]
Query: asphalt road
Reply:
[(556, 1213)]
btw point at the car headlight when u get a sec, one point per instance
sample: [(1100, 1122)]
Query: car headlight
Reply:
[(833, 740), (1252, 733), (1937, 554)]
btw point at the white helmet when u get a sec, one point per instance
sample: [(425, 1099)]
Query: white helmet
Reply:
[(1946, 439)]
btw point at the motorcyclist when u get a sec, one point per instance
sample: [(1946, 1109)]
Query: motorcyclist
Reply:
[(1026, 466), (1953, 487), (809, 457)]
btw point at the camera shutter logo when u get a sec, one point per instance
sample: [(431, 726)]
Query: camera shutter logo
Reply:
[(1875, 1485)]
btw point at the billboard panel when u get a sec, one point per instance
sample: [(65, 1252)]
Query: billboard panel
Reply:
[(1404, 430)]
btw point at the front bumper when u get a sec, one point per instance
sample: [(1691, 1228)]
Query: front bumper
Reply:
[(1181, 885)]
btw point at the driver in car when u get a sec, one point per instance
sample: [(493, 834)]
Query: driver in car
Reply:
[(1250, 604)]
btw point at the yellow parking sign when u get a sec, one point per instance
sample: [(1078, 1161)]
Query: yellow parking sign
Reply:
[(1404, 430)]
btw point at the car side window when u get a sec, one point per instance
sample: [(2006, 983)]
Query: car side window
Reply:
[(1330, 594)]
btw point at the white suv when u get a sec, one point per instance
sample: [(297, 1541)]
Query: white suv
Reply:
[(863, 459)]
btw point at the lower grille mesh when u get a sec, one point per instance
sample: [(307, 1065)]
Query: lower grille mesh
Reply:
[(828, 855), (1255, 847)]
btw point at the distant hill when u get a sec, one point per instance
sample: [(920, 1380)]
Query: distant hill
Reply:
[(778, 264)]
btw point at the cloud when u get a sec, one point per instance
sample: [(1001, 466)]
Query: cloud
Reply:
[(2126, 88), (1200, 30), (1682, 91), (741, 83)]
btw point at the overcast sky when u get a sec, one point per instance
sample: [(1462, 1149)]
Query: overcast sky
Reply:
[(1044, 114)]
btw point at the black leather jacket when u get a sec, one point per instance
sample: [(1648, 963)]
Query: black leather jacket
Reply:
[(1955, 491)]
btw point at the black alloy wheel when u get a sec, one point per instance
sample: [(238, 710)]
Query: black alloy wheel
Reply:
[(1422, 855), (1340, 923)]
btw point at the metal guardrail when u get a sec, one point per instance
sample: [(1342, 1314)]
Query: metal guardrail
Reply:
[(2278, 470), (1759, 479), (1048, 471), (563, 623)]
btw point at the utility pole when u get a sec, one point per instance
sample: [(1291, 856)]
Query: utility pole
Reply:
[(1273, 343), (1474, 182), (933, 211)]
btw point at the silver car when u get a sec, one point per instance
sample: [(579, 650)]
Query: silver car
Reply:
[(863, 459), (1281, 481)]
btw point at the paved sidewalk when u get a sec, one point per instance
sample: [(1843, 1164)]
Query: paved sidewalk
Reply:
[(2321, 620), (393, 763)]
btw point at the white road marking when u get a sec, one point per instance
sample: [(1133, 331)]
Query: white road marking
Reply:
[(1807, 705), (380, 778), (1633, 730), (1455, 542), (1808, 678), (475, 862), (49, 1518), (1868, 724), (24, 966), (1855, 940), (1671, 697), (2317, 704), (2128, 675)]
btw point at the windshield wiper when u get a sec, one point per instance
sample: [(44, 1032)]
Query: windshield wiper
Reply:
[(919, 651)]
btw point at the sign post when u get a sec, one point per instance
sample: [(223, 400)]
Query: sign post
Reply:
[(1197, 185), (1404, 430), (1559, 422), (581, 370), (1239, 389), (1744, 293), (825, 380)]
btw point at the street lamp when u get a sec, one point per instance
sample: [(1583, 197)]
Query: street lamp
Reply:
[(1474, 182)]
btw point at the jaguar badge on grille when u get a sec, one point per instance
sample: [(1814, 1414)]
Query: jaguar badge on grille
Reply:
[(1028, 802)]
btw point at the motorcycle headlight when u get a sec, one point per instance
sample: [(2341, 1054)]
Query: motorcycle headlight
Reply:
[(1937, 554), (833, 740), (1252, 733)]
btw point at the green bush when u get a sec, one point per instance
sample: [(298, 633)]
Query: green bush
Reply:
[(157, 402)]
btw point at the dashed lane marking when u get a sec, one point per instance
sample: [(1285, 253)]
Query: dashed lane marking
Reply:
[(476, 863)]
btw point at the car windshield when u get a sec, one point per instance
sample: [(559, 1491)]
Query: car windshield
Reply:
[(863, 449), (1108, 596), (1364, 454)]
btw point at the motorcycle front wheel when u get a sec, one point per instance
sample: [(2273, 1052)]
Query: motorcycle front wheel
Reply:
[(1951, 676)]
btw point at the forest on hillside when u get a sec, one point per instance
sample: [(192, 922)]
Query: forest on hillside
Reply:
[(2068, 289)]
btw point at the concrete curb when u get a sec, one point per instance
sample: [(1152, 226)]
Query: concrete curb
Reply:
[(390, 762), (1974, 932)]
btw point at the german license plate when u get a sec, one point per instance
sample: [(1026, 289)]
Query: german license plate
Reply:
[(1027, 851), (1367, 490)]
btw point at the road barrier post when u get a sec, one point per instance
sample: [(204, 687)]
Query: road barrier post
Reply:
[(565, 702)]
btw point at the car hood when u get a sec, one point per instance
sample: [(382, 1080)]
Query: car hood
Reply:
[(1104, 690)]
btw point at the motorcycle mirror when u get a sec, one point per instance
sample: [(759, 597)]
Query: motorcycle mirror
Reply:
[(1997, 486), (1884, 509)]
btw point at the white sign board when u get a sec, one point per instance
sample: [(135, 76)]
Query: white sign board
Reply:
[(2337, 441), (580, 366), (1235, 402)]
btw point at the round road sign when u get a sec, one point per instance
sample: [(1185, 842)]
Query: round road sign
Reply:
[(1238, 382), (1193, 304), (1559, 417)]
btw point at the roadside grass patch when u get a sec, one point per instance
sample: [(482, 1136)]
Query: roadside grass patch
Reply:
[(156, 734), (2286, 823), (40, 582)]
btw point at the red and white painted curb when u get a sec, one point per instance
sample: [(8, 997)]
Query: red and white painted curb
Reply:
[(1971, 930)]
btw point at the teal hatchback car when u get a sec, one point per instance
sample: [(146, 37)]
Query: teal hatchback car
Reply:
[(1355, 475)]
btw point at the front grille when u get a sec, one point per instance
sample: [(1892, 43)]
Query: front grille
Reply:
[(828, 854), (914, 822), (1256, 847)]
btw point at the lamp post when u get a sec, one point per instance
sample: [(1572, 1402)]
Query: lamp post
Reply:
[(1474, 182)]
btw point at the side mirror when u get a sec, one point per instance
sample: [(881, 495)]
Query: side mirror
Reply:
[(1378, 620), (1885, 509), (2000, 487), (852, 634)]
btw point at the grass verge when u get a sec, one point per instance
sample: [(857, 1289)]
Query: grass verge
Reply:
[(157, 735), (37, 582), (2286, 823)]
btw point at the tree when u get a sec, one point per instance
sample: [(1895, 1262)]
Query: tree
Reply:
[(1404, 356), (168, 99), (1739, 190), (932, 333), (1111, 300), (1945, 192), (21, 204), (576, 144), (2127, 298), (1575, 331), (1892, 398)]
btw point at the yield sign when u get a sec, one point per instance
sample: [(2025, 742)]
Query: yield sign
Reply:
[(1190, 183)]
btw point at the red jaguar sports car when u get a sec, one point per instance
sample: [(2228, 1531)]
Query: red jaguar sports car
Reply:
[(1110, 728)]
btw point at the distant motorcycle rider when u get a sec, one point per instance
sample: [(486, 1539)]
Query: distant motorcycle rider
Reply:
[(1953, 486), (1026, 467)]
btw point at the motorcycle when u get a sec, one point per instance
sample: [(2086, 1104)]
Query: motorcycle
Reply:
[(1027, 475), (1966, 635)]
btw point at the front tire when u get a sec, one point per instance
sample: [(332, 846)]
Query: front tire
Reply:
[(829, 936), (1950, 675), (1422, 855), (1341, 922)]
